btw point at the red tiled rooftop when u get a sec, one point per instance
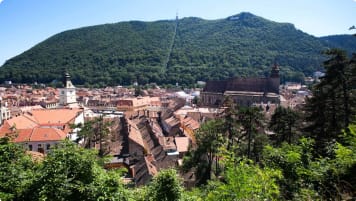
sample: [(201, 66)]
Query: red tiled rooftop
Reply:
[(47, 134), (55, 116), (24, 135), (22, 122)]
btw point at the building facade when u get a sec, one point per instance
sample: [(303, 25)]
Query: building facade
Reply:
[(244, 91), (4, 112)]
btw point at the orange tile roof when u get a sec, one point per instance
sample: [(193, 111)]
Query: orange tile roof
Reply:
[(22, 122), (55, 116), (24, 135), (4, 129), (35, 134), (47, 134), (29, 126)]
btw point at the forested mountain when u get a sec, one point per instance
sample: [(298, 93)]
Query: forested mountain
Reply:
[(170, 51), (346, 42)]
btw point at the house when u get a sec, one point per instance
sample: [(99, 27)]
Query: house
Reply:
[(39, 130)]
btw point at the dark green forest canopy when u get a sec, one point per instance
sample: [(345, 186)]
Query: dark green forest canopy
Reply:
[(125, 52)]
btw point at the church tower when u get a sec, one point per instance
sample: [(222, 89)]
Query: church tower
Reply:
[(275, 71), (274, 79), (67, 94)]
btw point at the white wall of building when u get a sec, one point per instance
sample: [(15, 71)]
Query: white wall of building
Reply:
[(43, 146)]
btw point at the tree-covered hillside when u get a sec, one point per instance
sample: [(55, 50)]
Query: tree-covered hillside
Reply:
[(346, 42), (171, 51), (310, 155)]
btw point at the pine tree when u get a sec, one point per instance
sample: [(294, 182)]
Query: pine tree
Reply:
[(283, 124), (250, 119), (330, 109)]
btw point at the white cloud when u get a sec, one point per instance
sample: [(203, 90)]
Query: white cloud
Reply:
[(2, 0)]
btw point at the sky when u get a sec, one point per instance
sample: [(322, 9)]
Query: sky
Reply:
[(25, 23)]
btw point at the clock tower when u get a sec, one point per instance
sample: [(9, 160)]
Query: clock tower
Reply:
[(67, 94)]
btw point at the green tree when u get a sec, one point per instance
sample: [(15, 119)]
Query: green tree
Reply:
[(73, 173), (306, 177), (339, 76), (196, 100), (230, 120), (250, 119), (166, 186), (294, 160), (331, 108), (17, 171), (97, 130), (138, 90), (209, 139), (283, 123), (245, 181)]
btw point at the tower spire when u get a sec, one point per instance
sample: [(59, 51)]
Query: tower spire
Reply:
[(275, 70)]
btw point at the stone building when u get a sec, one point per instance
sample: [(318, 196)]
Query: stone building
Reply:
[(244, 91)]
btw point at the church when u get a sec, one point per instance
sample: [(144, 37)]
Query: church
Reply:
[(244, 91)]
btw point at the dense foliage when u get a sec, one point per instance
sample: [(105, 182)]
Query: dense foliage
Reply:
[(165, 186), (241, 45), (16, 171), (347, 42), (332, 107), (67, 173)]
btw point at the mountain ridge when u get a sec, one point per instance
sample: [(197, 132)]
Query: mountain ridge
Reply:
[(124, 52)]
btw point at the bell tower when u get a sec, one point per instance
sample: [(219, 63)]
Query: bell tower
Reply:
[(67, 94), (275, 71), (274, 79)]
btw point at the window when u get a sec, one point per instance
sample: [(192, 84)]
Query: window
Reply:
[(40, 149), (30, 147), (48, 146)]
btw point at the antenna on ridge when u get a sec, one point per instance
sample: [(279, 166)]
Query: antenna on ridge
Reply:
[(177, 15)]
